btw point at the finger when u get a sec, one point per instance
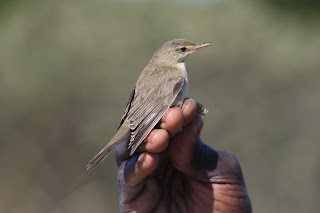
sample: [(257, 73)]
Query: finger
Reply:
[(172, 121), (121, 152), (189, 110), (137, 168), (222, 168), (183, 144), (156, 141)]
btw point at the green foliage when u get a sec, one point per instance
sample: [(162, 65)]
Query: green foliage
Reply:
[(68, 67)]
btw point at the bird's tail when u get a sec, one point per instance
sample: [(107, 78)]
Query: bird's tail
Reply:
[(122, 134)]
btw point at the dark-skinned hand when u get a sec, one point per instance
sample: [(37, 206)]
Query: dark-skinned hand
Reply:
[(173, 171)]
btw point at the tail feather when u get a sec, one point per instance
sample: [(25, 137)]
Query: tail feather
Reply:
[(98, 159), (123, 134)]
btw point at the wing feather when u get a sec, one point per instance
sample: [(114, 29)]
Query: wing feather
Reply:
[(147, 104), (142, 134), (126, 111), (122, 134), (150, 103)]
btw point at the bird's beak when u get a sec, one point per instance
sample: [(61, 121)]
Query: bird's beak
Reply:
[(202, 45)]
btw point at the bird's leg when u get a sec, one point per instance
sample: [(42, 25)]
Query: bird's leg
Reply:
[(201, 109)]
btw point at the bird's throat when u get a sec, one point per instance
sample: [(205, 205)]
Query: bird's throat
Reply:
[(182, 67)]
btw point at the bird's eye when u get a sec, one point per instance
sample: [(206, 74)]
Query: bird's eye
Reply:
[(183, 49)]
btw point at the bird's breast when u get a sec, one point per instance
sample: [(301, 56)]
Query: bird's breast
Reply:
[(184, 93)]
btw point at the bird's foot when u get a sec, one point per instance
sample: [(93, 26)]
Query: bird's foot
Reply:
[(201, 109)]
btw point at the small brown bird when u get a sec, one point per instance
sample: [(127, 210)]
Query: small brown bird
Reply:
[(162, 84)]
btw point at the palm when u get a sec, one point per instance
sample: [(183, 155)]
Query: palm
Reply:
[(171, 191)]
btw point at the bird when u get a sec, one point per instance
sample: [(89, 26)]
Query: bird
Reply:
[(162, 84)]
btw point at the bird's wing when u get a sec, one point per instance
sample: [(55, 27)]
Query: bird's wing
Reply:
[(127, 107), (151, 102), (122, 134), (145, 107)]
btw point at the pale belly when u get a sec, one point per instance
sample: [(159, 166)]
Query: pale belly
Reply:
[(182, 95)]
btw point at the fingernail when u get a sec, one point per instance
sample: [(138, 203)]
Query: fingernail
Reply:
[(184, 105), (142, 157), (162, 125)]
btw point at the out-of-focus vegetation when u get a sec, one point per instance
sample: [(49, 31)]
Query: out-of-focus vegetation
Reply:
[(306, 7), (68, 67)]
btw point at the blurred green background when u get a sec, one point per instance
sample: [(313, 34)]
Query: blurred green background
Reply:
[(68, 67)]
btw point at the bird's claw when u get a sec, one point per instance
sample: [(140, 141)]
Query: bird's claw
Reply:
[(201, 109)]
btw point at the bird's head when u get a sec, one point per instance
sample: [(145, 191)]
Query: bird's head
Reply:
[(177, 51)]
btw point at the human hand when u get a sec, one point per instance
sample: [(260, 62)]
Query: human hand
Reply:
[(176, 172)]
